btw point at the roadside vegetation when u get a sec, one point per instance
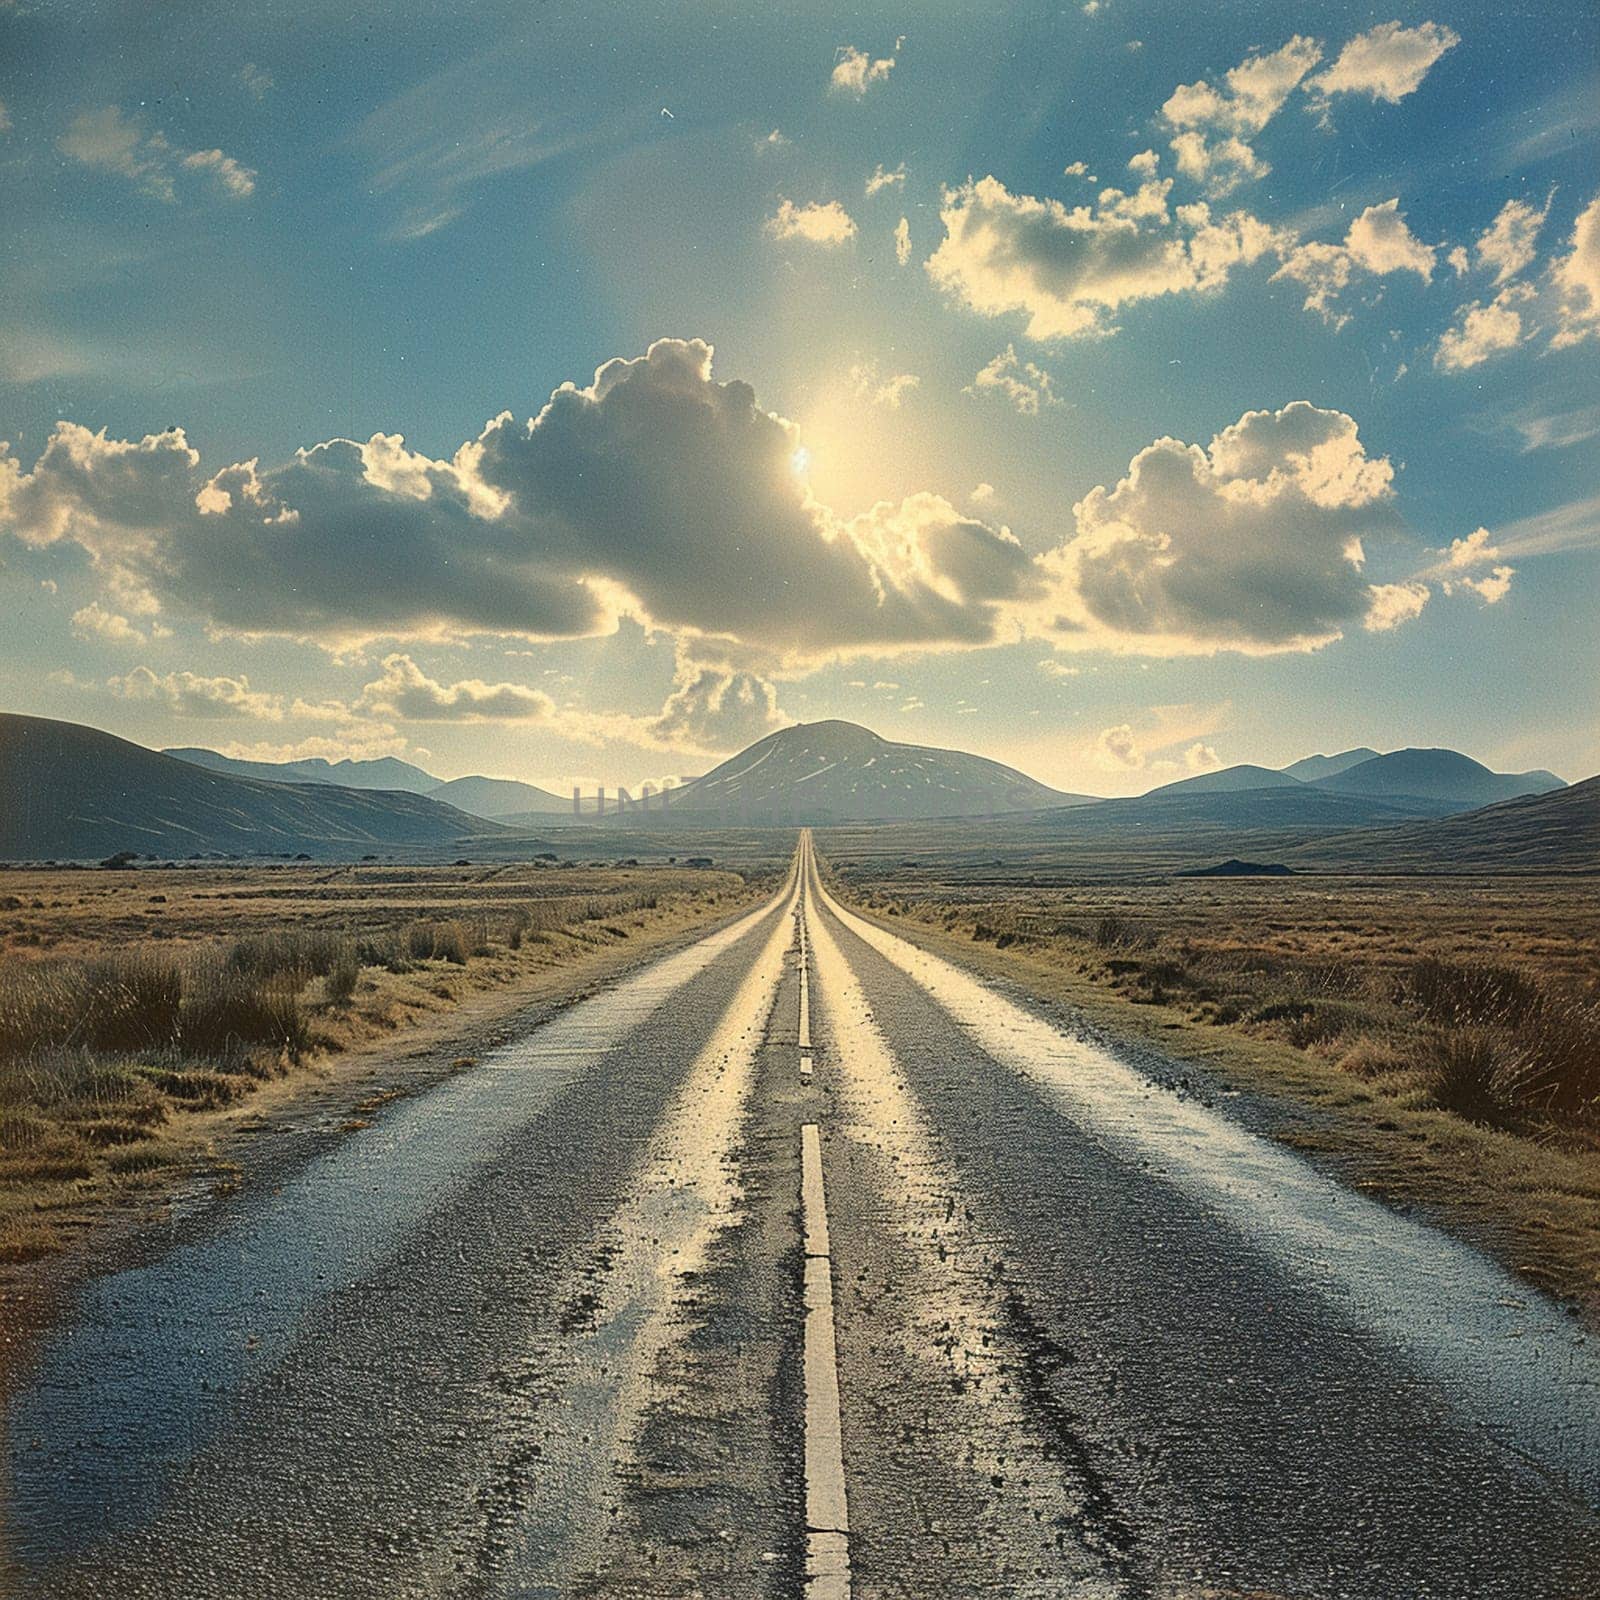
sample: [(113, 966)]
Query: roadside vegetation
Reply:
[(135, 1004), (1448, 1035)]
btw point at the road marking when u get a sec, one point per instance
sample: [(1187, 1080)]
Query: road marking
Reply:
[(827, 1517), (805, 1066)]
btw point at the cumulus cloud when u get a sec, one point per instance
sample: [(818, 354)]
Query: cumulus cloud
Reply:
[(1117, 750), (229, 175), (902, 241), (1378, 242), (1390, 604), (1251, 544), (94, 621), (1201, 757), (1457, 567), (1070, 270), (1025, 384), (823, 222), (1387, 62), (1508, 244), (1576, 276), (855, 71), (881, 389), (659, 493), (107, 140), (881, 179), (1213, 123), (185, 694), (717, 704), (406, 693), (1483, 329)]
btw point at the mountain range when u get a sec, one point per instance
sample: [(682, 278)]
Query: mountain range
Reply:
[(483, 797), (73, 793), (1435, 782)]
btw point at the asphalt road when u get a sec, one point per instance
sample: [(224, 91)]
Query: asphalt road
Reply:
[(802, 1262)]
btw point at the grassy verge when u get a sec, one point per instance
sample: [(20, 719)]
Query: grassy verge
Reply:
[(121, 1057), (1445, 1043)]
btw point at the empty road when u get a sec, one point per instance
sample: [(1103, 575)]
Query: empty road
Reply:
[(801, 1262)]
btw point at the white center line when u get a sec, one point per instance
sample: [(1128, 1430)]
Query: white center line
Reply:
[(827, 1518)]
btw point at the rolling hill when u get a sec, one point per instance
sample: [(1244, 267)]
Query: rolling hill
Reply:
[(69, 792), (1309, 768), (385, 772), (499, 797), (1558, 831), (838, 771), (1228, 780), (1438, 775)]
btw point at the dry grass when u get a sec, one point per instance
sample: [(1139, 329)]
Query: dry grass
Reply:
[(1449, 1032), (132, 1002)]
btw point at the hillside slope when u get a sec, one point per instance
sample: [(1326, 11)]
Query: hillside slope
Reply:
[(384, 772), (1227, 780), (1554, 832), (499, 797), (836, 771), (1309, 768), (74, 793), (1437, 774)]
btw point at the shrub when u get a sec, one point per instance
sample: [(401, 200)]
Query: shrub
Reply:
[(341, 981), (1465, 1074)]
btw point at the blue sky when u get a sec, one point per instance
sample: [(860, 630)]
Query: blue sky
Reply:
[(1160, 435)]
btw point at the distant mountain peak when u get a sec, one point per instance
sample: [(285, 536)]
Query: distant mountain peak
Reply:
[(834, 770)]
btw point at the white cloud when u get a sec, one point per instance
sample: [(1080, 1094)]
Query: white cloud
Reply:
[(1378, 242), (1508, 244), (1472, 551), (1387, 62), (855, 71), (902, 241), (660, 494), (1117, 750), (1079, 169), (1212, 124), (1025, 384), (1146, 164), (1070, 271), (881, 390), (881, 180), (406, 693), (108, 141), (257, 81), (654, 492), (1201, 757), (1576, 277), (1482, 330), (1557, 430), (981, 492), (232, 178), (94, 621), (1251, 544), (1392, 604), (1476, 550), (185, 694), (818, 222)]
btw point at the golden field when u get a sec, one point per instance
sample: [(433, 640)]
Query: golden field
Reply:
[(1435, 1041), (140, 1011)]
